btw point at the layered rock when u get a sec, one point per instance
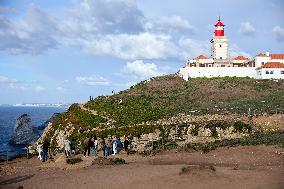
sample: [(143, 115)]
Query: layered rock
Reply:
[(24, 132)]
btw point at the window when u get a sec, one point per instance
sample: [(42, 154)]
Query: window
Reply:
[(267, 72), (271, 72), (222, 65), (220, 45), (220, 57), (262, 63), (282, 72)]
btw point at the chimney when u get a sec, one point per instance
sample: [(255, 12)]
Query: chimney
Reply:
[(267, 53)]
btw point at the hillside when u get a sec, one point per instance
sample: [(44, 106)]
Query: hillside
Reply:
[(167, 96), (219, 104)]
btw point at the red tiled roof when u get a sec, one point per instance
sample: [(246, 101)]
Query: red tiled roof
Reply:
[(201, 57), (240, 58), (277, 56), (273, 65), (260, 54)]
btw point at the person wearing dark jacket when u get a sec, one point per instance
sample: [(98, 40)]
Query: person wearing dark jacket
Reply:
[(88, 145), (125, 145), (45, 147)]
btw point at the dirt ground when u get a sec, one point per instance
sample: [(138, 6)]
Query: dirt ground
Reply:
[(239, 167)]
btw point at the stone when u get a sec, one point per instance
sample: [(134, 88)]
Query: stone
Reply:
[(24, 133)]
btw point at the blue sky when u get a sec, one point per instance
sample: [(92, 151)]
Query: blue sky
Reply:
[(64, 51)]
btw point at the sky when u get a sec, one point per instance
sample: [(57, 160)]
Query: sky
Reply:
[(64, 51)]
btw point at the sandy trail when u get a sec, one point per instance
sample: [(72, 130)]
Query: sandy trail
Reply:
[(239, 167)]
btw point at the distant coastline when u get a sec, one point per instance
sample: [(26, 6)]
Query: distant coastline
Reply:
[(48, 105)]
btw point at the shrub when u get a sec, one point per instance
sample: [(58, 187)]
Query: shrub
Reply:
[(117, 161), (242, 127), (185, 170), (194, 131), (73, 160), (212, 168)]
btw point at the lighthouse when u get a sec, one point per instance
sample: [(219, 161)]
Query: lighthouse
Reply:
[(219, 46)]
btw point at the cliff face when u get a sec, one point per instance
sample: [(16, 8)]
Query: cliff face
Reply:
[(24, 132)]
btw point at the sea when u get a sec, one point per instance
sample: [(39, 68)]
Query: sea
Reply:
[(8, 116)]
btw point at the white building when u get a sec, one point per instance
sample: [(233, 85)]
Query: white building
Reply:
[(270, 70), (262, 66)]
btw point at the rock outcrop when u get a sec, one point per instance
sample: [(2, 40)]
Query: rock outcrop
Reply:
[(24, 132)]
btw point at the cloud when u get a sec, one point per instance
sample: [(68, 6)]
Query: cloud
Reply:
[(98, 29), (191, 47), (4, 10), (247, 29), (39, 88), (125, 46), (169, 24), (60, 88), (94, 80), (141, 70), (11, 83), (235, 50), (34, 34), (104, 16), (279, 33)]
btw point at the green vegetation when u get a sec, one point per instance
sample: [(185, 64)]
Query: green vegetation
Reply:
[(73, 160), (242, 127), (185, 170), (167, 96), (196, 168), (258, 138), (117, 161)]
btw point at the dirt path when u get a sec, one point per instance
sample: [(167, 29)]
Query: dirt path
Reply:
[(239, 167), (86, 109)]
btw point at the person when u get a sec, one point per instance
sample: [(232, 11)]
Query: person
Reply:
[(114, 146), (90, 144), (45, 148), (72, 147), (108, 146), (103, 145), (40, 151), (95, 146), (125, 145), (67, 147), (85, 144), (119, 145)]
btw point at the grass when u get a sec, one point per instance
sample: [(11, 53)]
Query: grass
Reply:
[(167, 96)]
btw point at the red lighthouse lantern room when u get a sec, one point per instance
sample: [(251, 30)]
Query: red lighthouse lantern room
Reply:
[(219, 28)]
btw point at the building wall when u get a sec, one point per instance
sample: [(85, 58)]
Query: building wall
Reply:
[(277, 60), (194, 72), (270, 73), (259, 61), (218, 51)]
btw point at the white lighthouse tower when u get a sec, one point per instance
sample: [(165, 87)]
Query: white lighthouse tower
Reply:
[(219, 48)]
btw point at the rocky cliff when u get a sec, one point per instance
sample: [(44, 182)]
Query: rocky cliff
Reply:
[(24, 132)]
